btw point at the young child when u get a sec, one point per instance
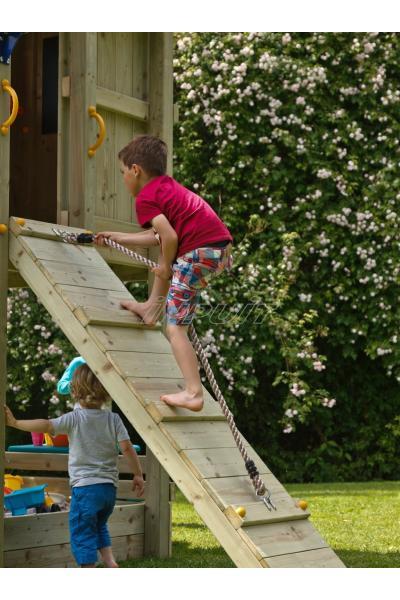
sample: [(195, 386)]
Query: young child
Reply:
[(94, 435), (195, 247)]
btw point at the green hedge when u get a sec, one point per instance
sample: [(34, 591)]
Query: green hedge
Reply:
[(299, 133)]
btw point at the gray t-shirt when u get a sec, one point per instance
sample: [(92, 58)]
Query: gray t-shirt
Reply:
[(93, 444)]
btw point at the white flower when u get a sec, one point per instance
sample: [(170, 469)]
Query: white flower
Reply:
[(286, 38), (323, 173)]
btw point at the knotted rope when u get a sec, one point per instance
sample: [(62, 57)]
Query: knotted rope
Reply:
[(258, 484)]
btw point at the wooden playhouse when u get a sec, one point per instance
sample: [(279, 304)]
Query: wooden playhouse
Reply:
[(58, 164), (55, 170)]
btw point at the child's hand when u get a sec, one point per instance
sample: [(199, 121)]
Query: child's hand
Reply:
[(138, 485), (11, 421), (102, 235), (163, 271)]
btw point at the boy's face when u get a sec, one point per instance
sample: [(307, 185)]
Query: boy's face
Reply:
[(132, 178)]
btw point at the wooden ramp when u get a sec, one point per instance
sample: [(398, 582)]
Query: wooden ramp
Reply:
[(135, 364)]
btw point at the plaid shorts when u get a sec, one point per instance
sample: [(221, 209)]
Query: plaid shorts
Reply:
[(190, 274)]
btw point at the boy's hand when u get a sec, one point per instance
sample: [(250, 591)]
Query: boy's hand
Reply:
[(102, 235), (11, 421), (138, 485), (163, 271)]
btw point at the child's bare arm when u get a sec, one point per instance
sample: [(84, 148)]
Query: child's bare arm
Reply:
[(33, 425), (130, 454), (142, 238), (169, 245)]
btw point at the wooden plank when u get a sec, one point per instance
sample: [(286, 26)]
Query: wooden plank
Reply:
[(121, 103), (321, 558), (75, 296), (106, 224), (40, 229), (157, 516), (143, 364), (62, 273), (61, 485), (149, 389), (126, 340), (82, 129), (47, 529), (61, 252), (257, 513), (134, 411), (53, 462), (239, 491), (216, 462), (161, 120), (282, 538), (59, 556), (199, 434), (5, 73), (118, 318)]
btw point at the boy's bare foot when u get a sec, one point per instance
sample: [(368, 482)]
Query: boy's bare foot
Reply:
[(184, 399), (111, 564), (147, 312), (108, 557)]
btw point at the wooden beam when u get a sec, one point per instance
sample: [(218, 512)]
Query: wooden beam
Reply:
[(5, 73), (82, 130), (157, 515), (43, 461), (120, 103)]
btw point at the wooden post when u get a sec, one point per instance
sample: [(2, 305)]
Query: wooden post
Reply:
[(82, 129), (5, 73), (157, 515), (157, 541)]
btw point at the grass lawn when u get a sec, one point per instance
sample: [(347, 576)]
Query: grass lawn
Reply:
[(360, 521)]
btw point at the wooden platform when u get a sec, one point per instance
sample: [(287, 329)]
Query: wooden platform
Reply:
[(135, 364)]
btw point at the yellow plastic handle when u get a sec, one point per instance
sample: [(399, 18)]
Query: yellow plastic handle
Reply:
[(4, 127), (102, 131)]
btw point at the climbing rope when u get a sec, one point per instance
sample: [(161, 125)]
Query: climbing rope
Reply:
[(258, 484)]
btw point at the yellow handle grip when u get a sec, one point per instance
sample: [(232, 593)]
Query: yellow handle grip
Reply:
[(102, 131), (4, 127)]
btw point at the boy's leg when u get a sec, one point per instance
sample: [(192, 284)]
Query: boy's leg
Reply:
[(192, 396), (190, 276), (108, 492), (150, 310), (83, 527)]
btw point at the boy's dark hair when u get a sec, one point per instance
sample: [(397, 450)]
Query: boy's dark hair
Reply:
[(147, 151)]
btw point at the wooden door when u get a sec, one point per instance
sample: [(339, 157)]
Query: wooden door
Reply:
[(128, 77)]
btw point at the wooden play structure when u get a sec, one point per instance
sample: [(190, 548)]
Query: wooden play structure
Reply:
[(127, 78)]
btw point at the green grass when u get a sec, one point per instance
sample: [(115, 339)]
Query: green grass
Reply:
[(360, 521)]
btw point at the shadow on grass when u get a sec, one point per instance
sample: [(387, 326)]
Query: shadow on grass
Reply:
[(184, 556), (370, 560)]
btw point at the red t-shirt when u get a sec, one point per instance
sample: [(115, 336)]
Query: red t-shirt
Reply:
[(195, 222)]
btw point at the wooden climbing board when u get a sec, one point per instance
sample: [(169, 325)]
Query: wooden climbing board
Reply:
[(135, 364)]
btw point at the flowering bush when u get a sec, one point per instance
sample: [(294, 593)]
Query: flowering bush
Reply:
[(299, 134), (38, 353)]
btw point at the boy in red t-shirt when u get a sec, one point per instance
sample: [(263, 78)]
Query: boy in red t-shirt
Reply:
[(195, 246)]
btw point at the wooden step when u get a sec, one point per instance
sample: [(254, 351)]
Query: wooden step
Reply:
[(149, 390), (89, 315)]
